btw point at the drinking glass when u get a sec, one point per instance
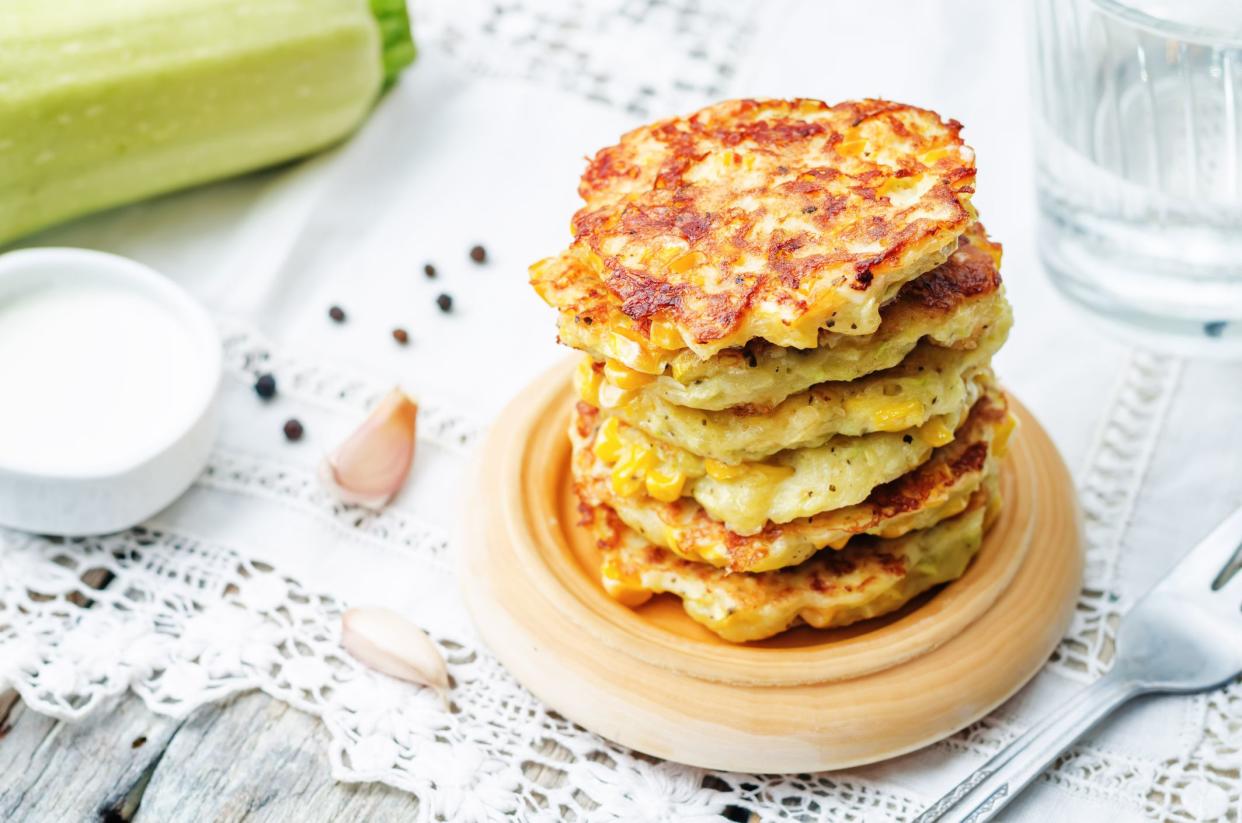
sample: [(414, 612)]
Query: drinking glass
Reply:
[(1138, 144)]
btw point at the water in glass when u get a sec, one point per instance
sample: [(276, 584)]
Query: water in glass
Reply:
[(1138, 136)]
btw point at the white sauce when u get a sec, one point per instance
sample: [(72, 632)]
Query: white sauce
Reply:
[(92, 379)]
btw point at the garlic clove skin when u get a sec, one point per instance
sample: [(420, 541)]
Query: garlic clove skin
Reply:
[(371, 466), (385, 641)]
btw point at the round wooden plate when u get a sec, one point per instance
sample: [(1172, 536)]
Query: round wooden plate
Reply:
[(656, 681)]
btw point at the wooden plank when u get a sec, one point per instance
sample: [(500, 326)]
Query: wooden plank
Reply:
[(93, 770), (250, 758), (255, 759)]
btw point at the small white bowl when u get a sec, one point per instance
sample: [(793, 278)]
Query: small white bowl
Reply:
[(95, 500)]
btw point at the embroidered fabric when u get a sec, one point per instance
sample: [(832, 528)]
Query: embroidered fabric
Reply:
[(182, 619), (646, 57)]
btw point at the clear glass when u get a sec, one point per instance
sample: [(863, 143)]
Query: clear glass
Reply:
[(1138, 142)]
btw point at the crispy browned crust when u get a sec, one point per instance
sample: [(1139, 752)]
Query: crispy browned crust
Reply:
[(971, 271), (956, 467), (788, 207), (872, 577), (609, 532)]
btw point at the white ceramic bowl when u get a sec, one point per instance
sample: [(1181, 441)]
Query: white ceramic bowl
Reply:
[(95, 501)]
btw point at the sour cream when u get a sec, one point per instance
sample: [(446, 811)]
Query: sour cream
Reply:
[(92, 377), (109, 375)]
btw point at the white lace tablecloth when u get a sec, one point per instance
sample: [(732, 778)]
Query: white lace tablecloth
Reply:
[(241, 583)]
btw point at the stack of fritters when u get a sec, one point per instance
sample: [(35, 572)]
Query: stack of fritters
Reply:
[(787, 408)]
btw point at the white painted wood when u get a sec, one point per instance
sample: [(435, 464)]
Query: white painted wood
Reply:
[(93, 770), (255, 759)]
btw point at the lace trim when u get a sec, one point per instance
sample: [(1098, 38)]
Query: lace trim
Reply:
[(247, 354), (1115, 467), (294, 487), (689, 48), (183, 621), (1207, 783)]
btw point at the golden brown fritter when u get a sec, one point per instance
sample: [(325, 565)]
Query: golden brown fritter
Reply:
[(931, 380), (789, 485), (869, 578), (761, 219), (954, 305), (935, 490)]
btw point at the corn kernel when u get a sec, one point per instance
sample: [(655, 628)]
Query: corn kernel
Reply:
[(628, 475), (664, 334), (611, 397), (1000, 441), (886, 415), (955, 506), (587, 381), (623, 377), (851, 148), (667, 254), (542, 268), (896, 184), (896, 416), (665, 486), (722, 471), (620, 587), (994, 251), (608, 441), (626, 484), (769, 472), (935, 433), (686, 262), (625, 345)]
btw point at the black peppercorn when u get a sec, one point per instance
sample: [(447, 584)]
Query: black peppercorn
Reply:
[(445, 302), (337, 314), (293, 430), (429, 270), (478, 254), (265, 386)]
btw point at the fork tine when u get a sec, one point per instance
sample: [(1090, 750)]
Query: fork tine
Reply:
[(1204, 569)]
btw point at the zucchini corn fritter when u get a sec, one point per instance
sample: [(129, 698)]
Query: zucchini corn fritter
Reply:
[(788, 310)]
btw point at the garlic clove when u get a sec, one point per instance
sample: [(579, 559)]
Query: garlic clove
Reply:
[(371, 466), (385, 641)]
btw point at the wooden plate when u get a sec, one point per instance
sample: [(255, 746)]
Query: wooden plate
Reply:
[(656, 681)]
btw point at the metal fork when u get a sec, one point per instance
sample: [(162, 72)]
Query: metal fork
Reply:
[(1185, 635)]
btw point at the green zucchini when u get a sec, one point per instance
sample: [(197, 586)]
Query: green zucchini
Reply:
[(104, 102)]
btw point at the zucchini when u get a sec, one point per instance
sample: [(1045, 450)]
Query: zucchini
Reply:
[(104, 102)]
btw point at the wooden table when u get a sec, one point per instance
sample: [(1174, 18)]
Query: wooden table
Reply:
[(249, 758)]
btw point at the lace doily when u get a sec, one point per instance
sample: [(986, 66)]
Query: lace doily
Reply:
[(646, 57), (182, 620)]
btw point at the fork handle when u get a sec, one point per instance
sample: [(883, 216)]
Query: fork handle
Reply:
[(981, 796)]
